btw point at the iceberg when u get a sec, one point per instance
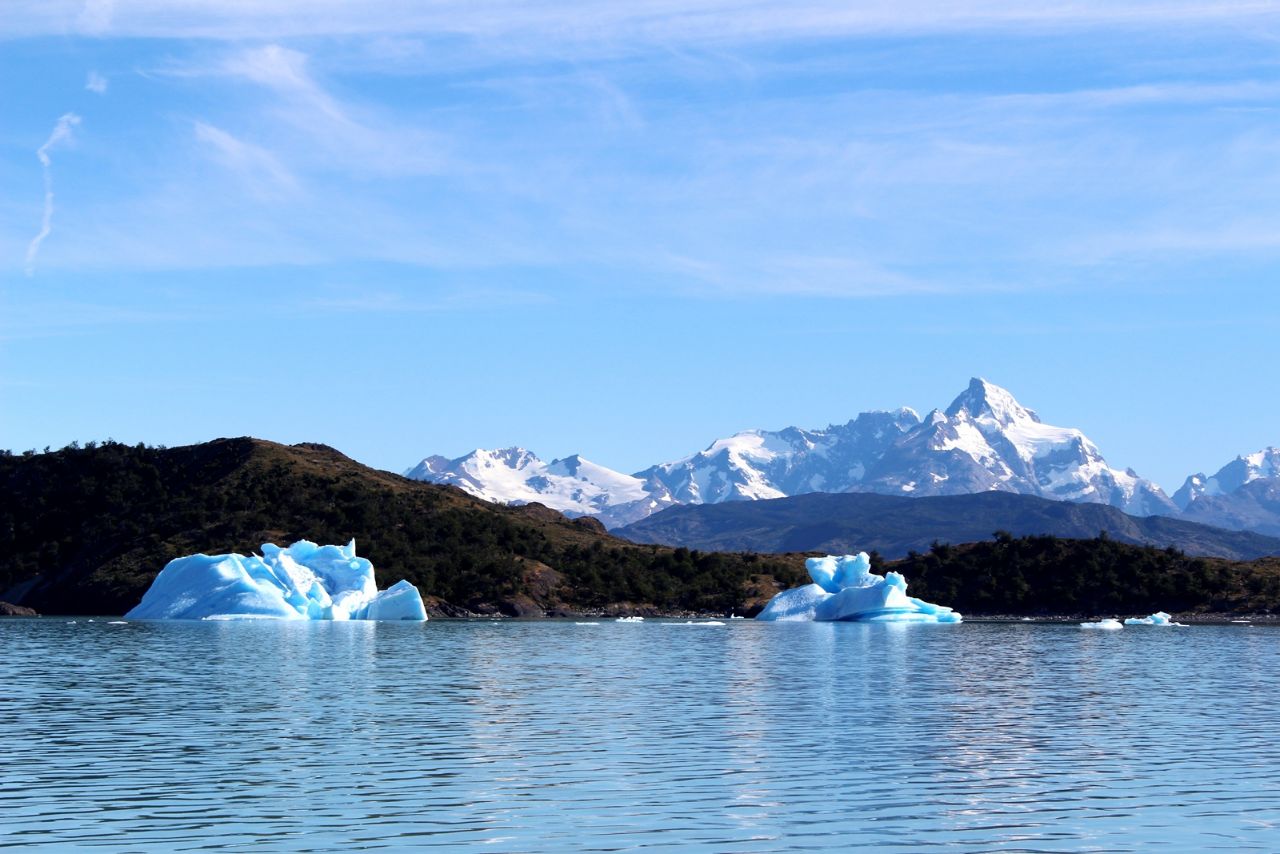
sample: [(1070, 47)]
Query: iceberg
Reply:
[(302, 582), (1159, 618), (1109, 624), (844, 588)]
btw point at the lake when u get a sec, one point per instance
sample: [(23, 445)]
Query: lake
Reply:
[(542, 736)]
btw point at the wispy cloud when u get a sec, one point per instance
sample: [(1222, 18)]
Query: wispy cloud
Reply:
[(57, 317), (62, 132), (331, 132), (256, 166), (396, 302), (96, 83), (95, 16), (1162, 93), (603, 25)]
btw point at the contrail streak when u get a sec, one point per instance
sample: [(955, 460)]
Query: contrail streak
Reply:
[(61, 132)]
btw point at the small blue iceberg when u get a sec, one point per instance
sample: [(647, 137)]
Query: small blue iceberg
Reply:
[(844, 588), (1159, 618)]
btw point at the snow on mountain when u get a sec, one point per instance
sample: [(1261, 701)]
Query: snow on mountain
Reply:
[(759, 464), (985, 440), (573, 485), (1232, 476), (1244, 495)]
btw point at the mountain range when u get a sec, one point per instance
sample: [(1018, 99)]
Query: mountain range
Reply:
[(984, 441)]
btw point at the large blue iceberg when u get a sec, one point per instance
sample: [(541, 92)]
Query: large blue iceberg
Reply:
[(844, 588), (302, 582)]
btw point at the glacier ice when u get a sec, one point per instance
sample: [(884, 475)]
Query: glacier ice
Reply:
[(302, 582), (1159, 618), (844, 588), (1109, 624)]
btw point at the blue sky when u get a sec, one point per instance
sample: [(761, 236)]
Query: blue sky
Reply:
[(405, 228)]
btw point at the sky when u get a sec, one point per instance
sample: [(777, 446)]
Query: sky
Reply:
[(624, 230)]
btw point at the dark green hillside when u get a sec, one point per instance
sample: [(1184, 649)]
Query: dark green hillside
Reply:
[(1049, 575), (85, 530)]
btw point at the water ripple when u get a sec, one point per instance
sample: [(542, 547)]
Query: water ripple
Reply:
[(543, 736)]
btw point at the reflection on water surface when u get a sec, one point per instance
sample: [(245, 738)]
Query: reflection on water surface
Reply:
[(542, 736)]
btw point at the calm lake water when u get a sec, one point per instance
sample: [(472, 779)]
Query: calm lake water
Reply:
[(550, 735)]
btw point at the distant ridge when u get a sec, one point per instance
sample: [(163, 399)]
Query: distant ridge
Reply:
[(894, 525)]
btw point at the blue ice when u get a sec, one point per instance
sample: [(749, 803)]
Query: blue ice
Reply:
[(844, 588), (302, 582), (1159, 618)]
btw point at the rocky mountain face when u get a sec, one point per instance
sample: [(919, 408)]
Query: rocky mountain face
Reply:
[(1243, 495), (984, 441)]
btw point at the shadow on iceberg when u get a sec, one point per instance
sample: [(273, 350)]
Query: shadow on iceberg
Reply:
[(844, 588), (302, 582)]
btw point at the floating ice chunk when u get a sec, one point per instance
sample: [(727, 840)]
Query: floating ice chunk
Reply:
[(629, 620), (400, 601), (302, 582), (1109, 624), (697, 623), (1159, 618), (844, 588)]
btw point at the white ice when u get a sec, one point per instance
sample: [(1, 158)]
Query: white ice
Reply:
[(1159, 618), (844, 588), (302, 582), (1109, 624)]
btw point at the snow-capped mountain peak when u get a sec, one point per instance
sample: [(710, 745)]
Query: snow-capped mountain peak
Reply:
[(984, 401), (1243, 495), (573, 485), (1246, 468), (985, 440)]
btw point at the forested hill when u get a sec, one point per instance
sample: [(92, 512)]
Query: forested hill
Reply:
[(86, 529), (1043, 575)]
